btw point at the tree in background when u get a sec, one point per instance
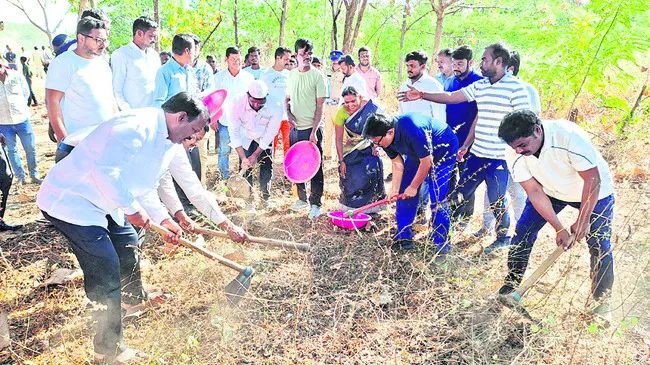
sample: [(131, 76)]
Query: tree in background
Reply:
[(46, 26)]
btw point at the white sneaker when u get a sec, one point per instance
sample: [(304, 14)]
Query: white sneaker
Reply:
[(314, 212), (299, 205)]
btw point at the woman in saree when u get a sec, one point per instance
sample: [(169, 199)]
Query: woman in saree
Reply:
[(360, 168)]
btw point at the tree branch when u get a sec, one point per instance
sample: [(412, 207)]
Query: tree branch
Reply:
[(21, 8), (205, 41), (273, 10), (418, 19)]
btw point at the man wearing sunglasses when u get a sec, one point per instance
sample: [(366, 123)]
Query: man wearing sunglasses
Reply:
[(79, 87), (255, 120), (422, 149)]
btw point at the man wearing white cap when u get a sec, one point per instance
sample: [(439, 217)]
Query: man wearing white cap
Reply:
[(255, 119)]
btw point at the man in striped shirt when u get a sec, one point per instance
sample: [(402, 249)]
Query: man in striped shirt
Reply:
[(495, 96)]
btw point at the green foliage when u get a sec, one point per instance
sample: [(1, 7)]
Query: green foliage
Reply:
[(567, 49)]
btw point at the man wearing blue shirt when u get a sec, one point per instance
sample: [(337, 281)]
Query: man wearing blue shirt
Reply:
[(421, 149), (461, 116), (176, 75)]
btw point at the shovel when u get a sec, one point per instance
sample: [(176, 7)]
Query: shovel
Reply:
[(265, 241), (351, 212), (237, 288), (512, 300)]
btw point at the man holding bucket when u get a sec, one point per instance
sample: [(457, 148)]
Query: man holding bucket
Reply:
[(421, 149)]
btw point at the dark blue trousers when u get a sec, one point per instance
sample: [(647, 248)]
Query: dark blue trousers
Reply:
[(110, 260), (437, 183), (495, 174), (598, 240)]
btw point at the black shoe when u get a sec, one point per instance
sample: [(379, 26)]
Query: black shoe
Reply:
[(8, 227), (402, 245), (506, 289)]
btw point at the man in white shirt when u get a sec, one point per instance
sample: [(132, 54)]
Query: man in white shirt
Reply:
[(135, 66), (275, 78), (107, 184), (181, 177), (255, 69), (352, 77), (79, 87), (14, 122), (416, 66), (255, 119), (235, 82), (558, 166)]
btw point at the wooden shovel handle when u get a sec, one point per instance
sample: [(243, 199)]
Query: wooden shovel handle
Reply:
[(375, 204), (265, 241), (209, 254), (541, 270)]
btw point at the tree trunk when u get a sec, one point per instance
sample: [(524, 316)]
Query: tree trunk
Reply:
[(235, 20), (358, 24), (93, 4), (400, 68), (83, 5), (336, 11), (156, 18), (283, 21), (436, 42), (350, 11)]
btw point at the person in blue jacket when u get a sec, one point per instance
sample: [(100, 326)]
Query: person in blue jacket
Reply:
[(421, 149)]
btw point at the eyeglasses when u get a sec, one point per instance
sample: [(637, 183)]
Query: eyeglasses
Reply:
[(99, 41), (378, 142)]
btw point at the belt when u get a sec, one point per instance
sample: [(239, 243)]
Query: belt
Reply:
[(65, 147)]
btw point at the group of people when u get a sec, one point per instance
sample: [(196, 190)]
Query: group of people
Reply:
[(132, 147)]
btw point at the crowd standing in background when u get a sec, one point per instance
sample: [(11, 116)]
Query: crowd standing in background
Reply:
[(132, 135)]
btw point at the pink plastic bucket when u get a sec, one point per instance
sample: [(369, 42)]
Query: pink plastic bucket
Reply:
[(302, 162), (214, 101), (341, 219)]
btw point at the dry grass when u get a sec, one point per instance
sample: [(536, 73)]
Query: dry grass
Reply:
[(350, 300)]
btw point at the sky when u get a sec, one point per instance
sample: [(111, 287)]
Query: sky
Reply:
[(55, 10)]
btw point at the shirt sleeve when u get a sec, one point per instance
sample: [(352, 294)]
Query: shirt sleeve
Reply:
[(24, 87), (167, 193), (204, 201), (118, 66), (321, 87), (390, 152), (152, 205), (266, 140), (469, 92), (59, 75), (341, 116), (535, 104), (581, 152), (517, 166), (378, 84), (161, 89)]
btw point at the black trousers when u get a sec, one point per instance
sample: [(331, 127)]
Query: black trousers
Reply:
[(6, 178), (265, 163), (317, 181)]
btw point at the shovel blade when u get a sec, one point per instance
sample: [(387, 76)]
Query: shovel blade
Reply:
[(237, 288)]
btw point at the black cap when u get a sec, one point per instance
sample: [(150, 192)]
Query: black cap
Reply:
[(316, 60), (348, 59)]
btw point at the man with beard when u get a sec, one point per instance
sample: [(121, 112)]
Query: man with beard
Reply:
[(135, 66), (352, 78), (79, 87), (254, 59), (416, 64), (496, 95), (558, 166), (306, 94), (461, 116), (370, 74)]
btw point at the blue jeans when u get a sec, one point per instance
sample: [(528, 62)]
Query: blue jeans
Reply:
[(437, 185), (224, 151), (110, 261), (495, 174), (26, 134), (598, 240)]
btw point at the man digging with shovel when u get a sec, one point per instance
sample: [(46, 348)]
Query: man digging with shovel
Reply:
[(557, 165), (106, 185)]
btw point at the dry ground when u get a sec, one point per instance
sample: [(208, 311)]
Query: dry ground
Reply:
[(350, 300)]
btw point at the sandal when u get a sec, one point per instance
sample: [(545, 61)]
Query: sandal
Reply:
[(124, 358)]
